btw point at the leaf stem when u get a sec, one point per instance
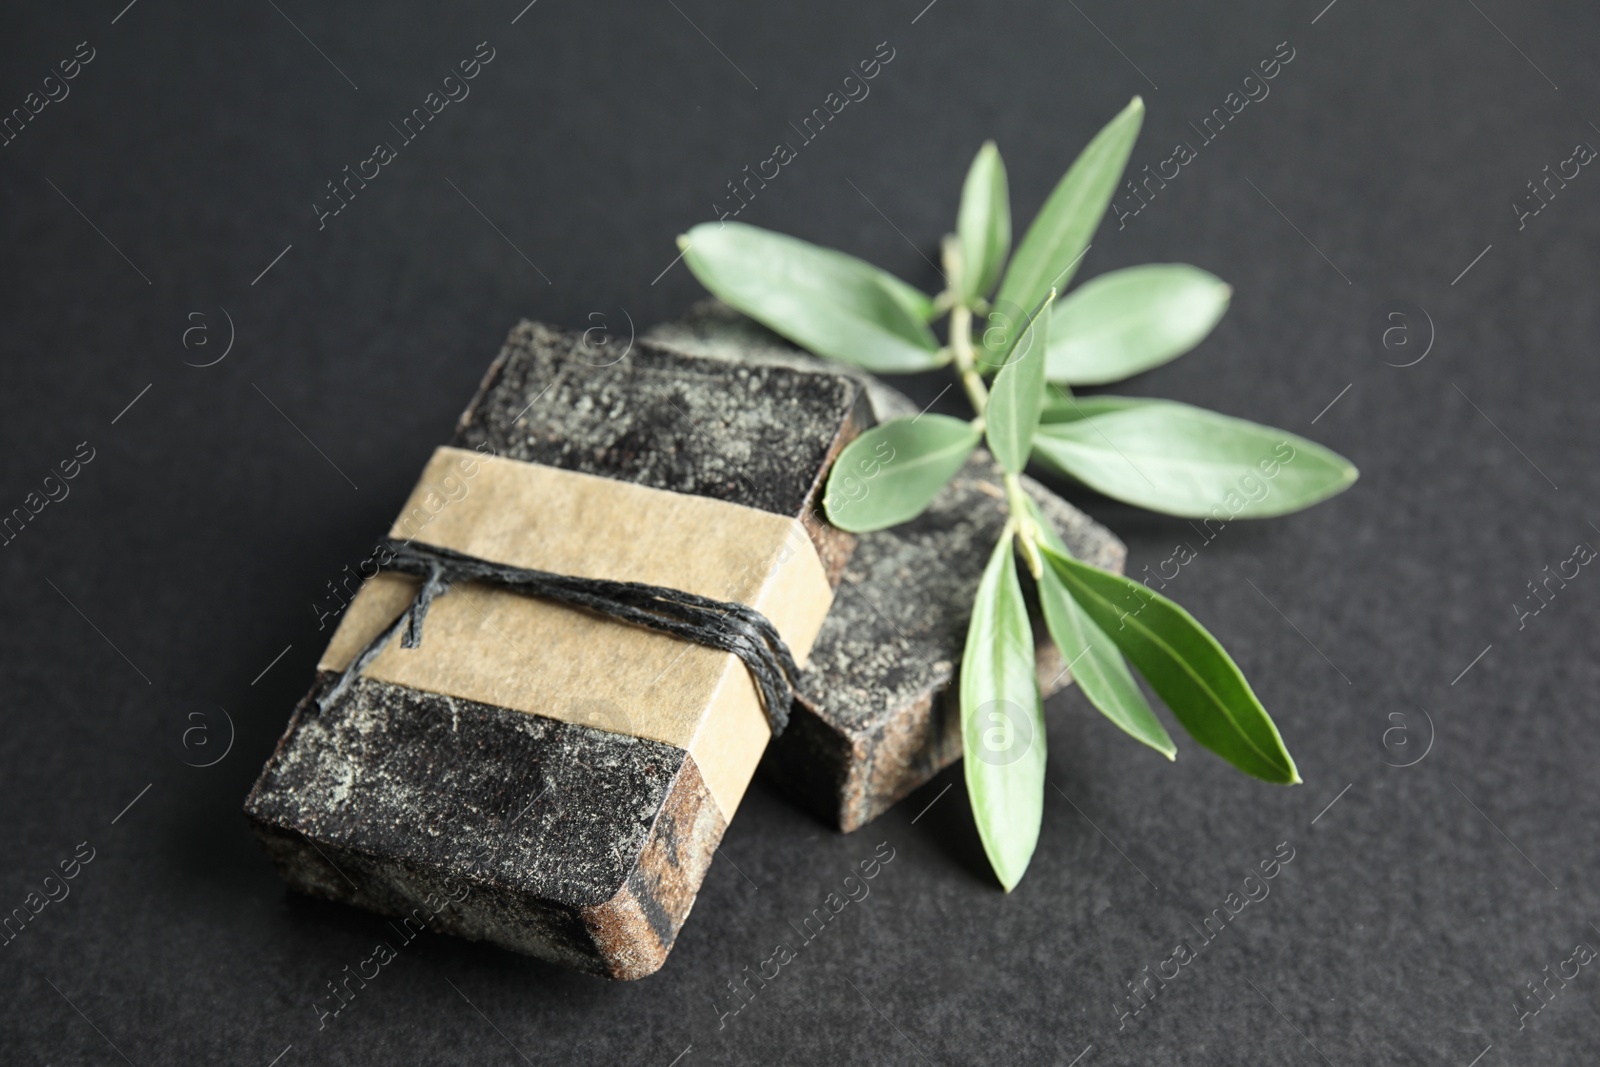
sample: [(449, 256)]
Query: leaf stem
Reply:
[(1021, 523), (1028, 534), (966, 359)]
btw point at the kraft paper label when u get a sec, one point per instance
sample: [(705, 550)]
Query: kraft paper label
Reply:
[(497, 647)]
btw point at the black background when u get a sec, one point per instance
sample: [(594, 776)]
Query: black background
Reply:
[(192, 547)]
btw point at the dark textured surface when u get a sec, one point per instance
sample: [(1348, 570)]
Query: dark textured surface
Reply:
[(391, 795), (205, 529), (556, 809), (754, 435)]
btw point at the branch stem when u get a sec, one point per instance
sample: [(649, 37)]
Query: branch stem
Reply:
[(966, 360), (1028, 535)]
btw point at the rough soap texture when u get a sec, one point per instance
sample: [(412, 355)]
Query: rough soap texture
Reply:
[(762, 436), (570, 841), (392, 795), (877, 713)]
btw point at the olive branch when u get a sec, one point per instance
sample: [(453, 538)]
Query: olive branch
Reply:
[(1018, 372)]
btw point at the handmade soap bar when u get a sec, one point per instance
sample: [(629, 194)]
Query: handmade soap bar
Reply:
[(876, 712), (566, 778)]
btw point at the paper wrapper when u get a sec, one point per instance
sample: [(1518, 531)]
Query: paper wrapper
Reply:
[(498, 647)]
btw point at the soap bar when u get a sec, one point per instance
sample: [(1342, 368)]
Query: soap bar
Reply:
[(877, 713), (579, 829)]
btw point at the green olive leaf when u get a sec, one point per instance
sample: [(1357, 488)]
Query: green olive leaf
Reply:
[(838, 306), (918, 305), (890, 473), (1097, 667), (984, 223), (1129, 321), (1184, 664), (1002, 722), (1186, 461), (1017, 397), (1061, 405), (1056, 240)]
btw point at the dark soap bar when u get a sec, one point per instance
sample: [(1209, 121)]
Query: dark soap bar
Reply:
[(569, 841), (877, 713)]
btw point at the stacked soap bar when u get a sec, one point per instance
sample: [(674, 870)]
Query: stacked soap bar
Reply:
[(876, 715), (568, 838)]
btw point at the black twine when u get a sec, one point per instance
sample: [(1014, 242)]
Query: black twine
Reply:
[(720, 624)]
